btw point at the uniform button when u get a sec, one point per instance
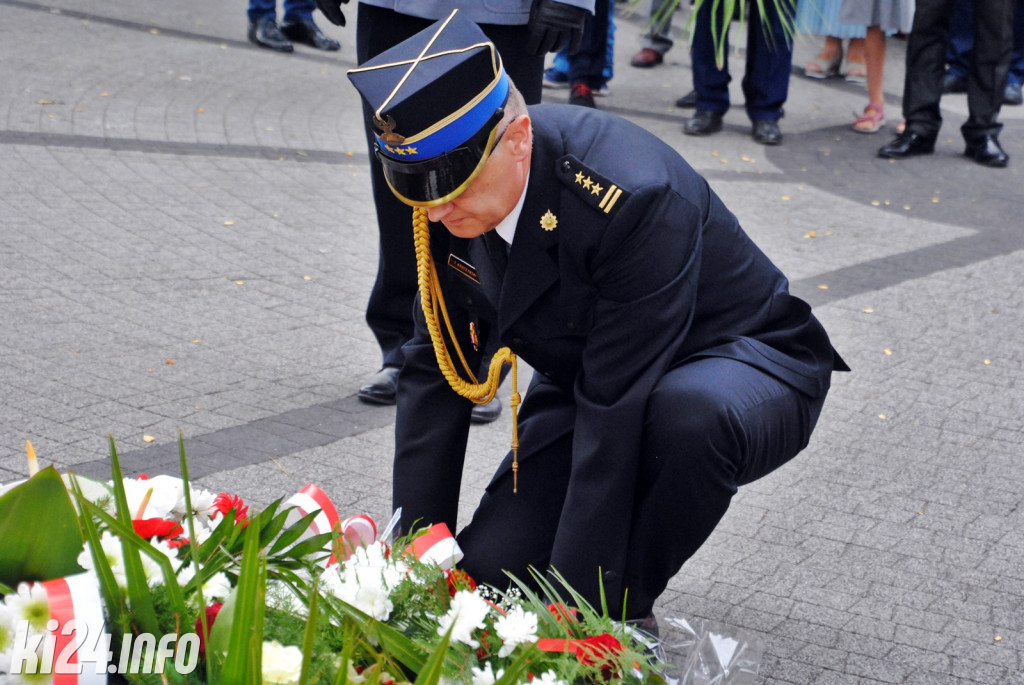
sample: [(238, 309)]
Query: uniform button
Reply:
[(566, 166)]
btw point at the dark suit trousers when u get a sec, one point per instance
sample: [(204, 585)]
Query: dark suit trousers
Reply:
[(990, 64), (769, 57), (389, 311), (711, 425)]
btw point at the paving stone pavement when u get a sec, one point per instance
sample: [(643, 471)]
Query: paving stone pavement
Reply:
[(187, 243)]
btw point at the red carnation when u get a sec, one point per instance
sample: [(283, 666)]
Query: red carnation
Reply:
[(224, 503), (459, 580), (211, 615)]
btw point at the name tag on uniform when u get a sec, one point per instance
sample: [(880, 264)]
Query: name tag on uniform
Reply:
[(464, 268)]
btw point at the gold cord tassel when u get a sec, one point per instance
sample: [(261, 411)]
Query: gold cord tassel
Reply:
[(432, 300)]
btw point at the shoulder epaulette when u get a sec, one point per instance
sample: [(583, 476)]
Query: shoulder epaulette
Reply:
[(593, 188)]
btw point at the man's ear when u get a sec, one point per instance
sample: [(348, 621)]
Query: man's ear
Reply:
[(520, 137)]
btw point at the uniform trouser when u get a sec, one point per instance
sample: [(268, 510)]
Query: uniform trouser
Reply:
[(389, 311), (925, 70), (711, 425), (294, 10), (769, 57)]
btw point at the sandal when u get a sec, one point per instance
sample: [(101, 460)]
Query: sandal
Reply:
[(871, 120), (856, 72), (822, 67)]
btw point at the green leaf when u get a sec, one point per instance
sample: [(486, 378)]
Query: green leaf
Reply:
[(139, 598), (430, 674), (245, 645), (293, 532), (309, 636), (40, 531)]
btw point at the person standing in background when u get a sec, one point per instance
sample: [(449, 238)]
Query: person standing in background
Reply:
[(297, 26), (922, 88)]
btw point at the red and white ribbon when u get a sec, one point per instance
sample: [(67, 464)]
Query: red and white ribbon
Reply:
[(310, 499), (439, 546), (77, 650)]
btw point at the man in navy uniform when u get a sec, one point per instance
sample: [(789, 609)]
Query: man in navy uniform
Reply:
[(672, 365)]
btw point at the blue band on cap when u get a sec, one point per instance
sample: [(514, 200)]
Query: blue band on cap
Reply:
[(454, 134)]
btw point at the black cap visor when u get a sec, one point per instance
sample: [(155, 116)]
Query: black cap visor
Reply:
[(440, 179)]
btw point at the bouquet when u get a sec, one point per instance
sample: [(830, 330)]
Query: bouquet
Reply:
[(150, 580)]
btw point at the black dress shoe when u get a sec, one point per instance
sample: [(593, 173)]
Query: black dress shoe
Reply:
[(952, 83), (907, 144), (265, 33), (988, 152), (486, 413), (305, 31), (1012, 95), (381, 387), (703, 123), (688, 101), (766, 132)]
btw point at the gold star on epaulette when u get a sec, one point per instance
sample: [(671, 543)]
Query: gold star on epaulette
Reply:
[(596, 190), (548, 221)]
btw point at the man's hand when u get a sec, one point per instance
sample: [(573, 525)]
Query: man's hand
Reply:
[(332, 10), (552, 26)]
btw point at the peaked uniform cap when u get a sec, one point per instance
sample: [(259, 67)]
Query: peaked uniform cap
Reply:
[(437, 99)]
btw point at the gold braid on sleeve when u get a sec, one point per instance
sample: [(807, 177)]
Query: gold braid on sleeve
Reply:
[(432, 301)]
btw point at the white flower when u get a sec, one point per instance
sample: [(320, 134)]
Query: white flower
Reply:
[(486, 676), (30, 604), (7, 628), (111, 549), (366, 580), (216, 586), (548, 678), (166, 491), (466, 614), (514, 628), (281, 664)]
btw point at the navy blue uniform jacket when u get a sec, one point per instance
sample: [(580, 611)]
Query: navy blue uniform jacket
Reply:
[(644, 270)]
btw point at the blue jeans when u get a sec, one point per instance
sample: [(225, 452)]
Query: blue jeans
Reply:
[(294, 10), (961, 40), (769, 57)]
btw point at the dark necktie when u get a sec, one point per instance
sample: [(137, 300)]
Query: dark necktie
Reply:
[(497, 248)]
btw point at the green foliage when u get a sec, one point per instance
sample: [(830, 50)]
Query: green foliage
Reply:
[(40, 532)]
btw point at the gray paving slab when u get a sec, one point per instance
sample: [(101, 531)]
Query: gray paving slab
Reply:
[(187, 243)]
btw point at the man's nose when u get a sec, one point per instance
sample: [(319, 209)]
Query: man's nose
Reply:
[(439, 212)]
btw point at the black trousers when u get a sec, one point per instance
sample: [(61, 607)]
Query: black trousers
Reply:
[(389, 311), (990, 64), (711, 426)]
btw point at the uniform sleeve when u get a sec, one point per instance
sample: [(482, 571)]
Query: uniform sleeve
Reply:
[(645, 272)]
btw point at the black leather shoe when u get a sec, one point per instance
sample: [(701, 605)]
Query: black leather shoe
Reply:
[(688, 101), (381, 387), (1012, 95), (952, 83), (703, 123), (486, 413), (988, 152), (907, 144), (305, 31), (265, 33), (766, 132)]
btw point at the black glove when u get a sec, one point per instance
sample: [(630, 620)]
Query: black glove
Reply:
[(332, 10), (553, 25)]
